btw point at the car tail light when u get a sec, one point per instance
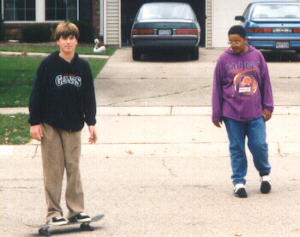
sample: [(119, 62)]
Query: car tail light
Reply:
[(296, 30), (260, 30), (143, 32), (186, 32)]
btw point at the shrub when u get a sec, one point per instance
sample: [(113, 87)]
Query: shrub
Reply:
[(86, 31), (36, 33)]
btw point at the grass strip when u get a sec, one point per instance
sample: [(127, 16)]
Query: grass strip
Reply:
[(51, 48), (14, 129), (17, 75)]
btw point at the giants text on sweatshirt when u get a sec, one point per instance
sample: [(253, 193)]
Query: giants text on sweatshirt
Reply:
[(241, 86), (63, 94)]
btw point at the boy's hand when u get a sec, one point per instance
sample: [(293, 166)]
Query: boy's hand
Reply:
[(93, 134), (217, 123), (267, 114), (37, 132)]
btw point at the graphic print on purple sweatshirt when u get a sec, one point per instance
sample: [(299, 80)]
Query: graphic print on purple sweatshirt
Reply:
[(68, 79), (244, 80)]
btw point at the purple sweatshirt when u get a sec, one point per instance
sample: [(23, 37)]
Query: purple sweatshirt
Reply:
[(241, 86)]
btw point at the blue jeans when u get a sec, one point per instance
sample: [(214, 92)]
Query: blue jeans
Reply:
[(255, 130)]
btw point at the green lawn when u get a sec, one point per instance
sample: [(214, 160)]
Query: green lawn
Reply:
[(14, 129), (17, 75), (50, 48)]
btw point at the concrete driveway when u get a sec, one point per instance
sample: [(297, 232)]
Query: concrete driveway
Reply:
[(163, 81)]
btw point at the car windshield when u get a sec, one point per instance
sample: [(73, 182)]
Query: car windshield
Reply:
[(165, 11), (282, 11)]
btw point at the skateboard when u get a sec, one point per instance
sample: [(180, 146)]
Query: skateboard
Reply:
[(44, 229)]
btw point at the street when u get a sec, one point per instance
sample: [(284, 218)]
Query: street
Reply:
[(160, 167)]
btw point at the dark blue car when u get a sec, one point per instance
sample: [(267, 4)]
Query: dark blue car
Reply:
[(272, 25)]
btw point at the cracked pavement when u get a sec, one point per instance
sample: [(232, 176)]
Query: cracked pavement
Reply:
[(160, 168)]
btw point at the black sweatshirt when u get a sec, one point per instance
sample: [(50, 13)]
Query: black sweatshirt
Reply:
[(63, 94)]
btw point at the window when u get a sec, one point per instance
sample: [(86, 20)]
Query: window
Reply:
[(61, 10), (166, 11), (277, 11), (19, 10)]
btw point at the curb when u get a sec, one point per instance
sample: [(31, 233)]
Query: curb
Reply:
[(152, 150), (158, 111)]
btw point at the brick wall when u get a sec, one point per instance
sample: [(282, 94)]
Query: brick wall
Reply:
[(13, 31), (96, 16)]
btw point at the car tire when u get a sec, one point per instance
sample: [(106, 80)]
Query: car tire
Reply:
[(136, 54), (195, 53)]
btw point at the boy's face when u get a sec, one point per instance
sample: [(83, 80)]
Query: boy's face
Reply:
[(67, 45), (237, 43)]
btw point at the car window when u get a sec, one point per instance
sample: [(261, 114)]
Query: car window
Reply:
[(276, 11), (166, 11)]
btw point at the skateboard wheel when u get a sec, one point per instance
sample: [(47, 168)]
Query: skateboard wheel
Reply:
[(86, 226), (44, 232)]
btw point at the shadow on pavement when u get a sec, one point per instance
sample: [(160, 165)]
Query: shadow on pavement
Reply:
[(184, 56), (66, 231), (281, 56), (167, 56)]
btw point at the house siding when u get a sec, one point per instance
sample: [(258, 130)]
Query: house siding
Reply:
[(107, 20), (113, 26), (208, 33)]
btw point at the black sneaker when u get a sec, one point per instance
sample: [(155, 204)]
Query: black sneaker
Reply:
[(58, 221), (265, 185), (81, 217), (240, 191)]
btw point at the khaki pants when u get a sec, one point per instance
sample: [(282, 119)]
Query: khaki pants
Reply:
[(61, 150)]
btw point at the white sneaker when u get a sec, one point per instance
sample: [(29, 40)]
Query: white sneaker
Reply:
[(81, 217), (58, 221), (240, 191)]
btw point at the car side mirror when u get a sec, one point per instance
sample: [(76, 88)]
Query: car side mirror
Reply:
[(240, 18)]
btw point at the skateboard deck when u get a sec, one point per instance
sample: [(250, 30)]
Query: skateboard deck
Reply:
[(44, 228)]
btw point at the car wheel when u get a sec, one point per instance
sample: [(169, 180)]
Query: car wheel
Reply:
[(195, 53), (136, 54)]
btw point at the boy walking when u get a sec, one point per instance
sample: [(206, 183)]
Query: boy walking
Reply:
[(62, 99), (242, 98)]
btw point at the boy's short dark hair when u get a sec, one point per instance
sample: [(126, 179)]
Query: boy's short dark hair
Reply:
[(65, 29), (237, 30)]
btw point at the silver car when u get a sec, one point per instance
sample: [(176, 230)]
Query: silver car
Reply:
[(165, 26)]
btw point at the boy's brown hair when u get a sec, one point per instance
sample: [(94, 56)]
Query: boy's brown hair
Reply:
[(65, 29)]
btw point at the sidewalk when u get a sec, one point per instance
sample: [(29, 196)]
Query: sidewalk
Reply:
[(175, 132)]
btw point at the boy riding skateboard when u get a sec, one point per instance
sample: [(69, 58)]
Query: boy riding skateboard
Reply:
[(62, 100)]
